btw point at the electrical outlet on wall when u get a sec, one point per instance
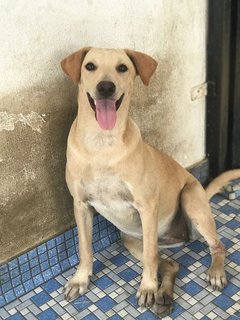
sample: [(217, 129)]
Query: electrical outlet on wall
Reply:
[(199, 91)]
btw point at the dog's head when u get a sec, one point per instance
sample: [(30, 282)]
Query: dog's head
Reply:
[(106, 76)]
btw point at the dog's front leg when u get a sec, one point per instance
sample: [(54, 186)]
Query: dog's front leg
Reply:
[(149, 284), (78, 284)]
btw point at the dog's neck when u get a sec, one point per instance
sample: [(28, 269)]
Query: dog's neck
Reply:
[(93, 137)]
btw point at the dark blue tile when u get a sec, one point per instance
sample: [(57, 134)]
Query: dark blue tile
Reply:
[(61, 247), (32, 254), (69, 234), (26, 276), (97, 266), (14, 272), (52, 252), (119, 259), (56, 270), (233, 224), (29, 285), (24, 267), (3, 269), (6, 286), (51, 285), (47, 275), (90, 317), (133, 300), (44, 265), (47, 315), (2, 301), (197, 246), (51, 244), (230, 289), (217, 198), (41, 298), (62, 255), (35, 270), (73, 260), (147, 315), (105, 304), (65, 265), (235, 257), (206, 260), (38, 280), (183, 272), (42, 248), (19, 290), (223, 302), (186, 260), (128, 274), (97, 246), (227, 242), (23, 258), (115, 236), (34, 262), (81, 303), (103, 282), (71, 251), (53, 261), (13, 264), (10, 296), (70, 244), (115, 317), (16, 281), (43, 257), (60, 239), (16, 316), (177, 310), (228, 209), (192, 288)]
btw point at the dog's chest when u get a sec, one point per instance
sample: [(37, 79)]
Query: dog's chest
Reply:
[(112, 198)]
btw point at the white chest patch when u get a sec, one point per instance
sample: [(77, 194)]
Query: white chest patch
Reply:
[(112, 198)]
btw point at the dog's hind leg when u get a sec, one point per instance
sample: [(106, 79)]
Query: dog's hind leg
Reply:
[(195, 205), (167, 270)]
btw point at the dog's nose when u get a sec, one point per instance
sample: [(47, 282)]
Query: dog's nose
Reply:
[(106, 88)]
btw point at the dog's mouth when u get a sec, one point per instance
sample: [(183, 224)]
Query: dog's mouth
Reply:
[(105, 111)]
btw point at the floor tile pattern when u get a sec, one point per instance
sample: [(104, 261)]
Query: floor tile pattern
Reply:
[(28, 271), (117, 274)]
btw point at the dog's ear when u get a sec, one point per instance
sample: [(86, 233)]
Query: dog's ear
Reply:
[(72, 64), (144, 64)]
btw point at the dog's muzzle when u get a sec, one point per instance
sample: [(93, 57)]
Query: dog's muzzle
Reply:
[(105, 106)]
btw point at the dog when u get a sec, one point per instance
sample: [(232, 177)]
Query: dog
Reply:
[(145, 193)]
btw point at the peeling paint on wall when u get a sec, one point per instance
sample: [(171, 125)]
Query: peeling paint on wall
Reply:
[(33, 120)]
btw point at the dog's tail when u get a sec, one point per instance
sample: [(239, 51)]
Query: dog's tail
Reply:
[(220, 181)]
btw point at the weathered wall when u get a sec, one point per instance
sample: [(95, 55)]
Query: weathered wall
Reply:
[(37, 102)]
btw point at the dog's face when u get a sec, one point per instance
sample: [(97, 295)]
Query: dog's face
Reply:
[(106, 77)]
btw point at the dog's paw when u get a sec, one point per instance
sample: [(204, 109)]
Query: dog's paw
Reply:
[(75, 287), (216, 278), (163, 303), (146, 295)]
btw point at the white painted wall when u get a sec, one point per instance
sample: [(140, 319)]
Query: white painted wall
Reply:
[(35, 35), (37, 100)]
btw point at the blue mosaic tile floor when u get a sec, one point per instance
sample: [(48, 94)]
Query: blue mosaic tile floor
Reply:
[(117, 275)]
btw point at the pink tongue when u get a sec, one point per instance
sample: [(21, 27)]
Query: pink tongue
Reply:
[(106, 114)]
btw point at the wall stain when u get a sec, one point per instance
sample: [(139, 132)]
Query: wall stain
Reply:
[(33, 120)]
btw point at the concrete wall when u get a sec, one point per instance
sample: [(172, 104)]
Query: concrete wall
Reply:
[(37, 102)]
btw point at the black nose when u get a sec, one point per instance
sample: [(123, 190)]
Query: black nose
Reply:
[(106, 88)]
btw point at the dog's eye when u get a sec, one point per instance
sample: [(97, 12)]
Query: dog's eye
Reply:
[(122, 68), (90, 66)]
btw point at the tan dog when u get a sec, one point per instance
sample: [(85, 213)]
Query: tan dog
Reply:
[(145, 193)]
